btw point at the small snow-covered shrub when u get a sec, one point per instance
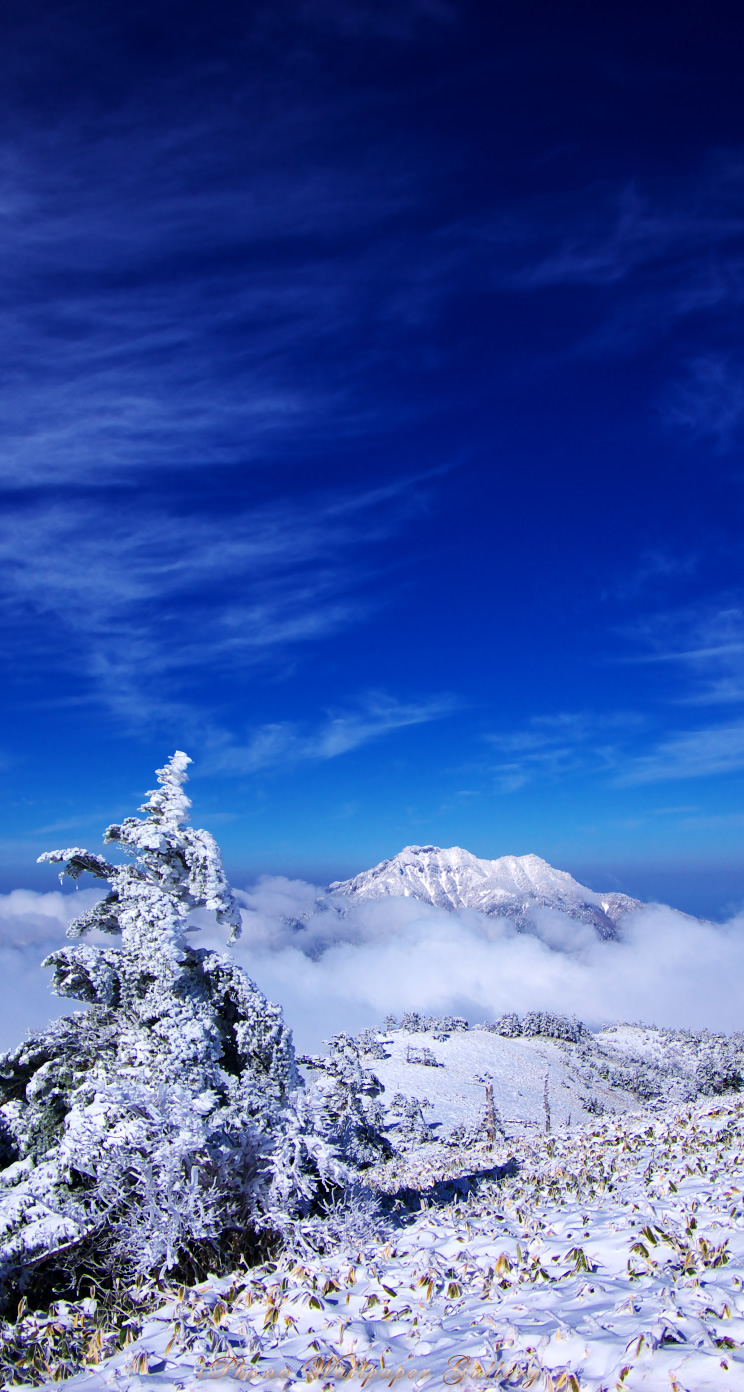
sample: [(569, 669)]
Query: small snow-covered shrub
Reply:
[(413, 1023), (594, 1106), (369, 1043), (167, 1114), (413, 1129), (509, 1026), (423, 1056), (719, 1070)]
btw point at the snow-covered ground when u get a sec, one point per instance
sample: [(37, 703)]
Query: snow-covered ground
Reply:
[(605, 1254), (612, 1070), (613, 1258), (516, 1067)]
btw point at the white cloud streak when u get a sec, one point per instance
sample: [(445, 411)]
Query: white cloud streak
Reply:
[(705, 643), (284, 744), (152, 596), (704, 648), (602, 235), (197, 333), (223, 325), (702, 753), (552, 747), (671, 249), (709, 401)]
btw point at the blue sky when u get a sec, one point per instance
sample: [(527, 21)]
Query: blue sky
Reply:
[(371, 428)]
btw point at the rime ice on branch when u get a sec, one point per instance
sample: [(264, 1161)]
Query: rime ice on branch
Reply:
[(166, 1112)]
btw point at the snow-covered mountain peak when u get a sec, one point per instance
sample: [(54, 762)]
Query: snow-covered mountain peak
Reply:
[(512, 886)]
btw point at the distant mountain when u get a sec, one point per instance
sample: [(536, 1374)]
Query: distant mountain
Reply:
[(511, 887)]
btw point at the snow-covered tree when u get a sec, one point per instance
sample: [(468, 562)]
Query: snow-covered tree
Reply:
[(166, 1114), (539, 1022), (413, 1129), (344, 1096)]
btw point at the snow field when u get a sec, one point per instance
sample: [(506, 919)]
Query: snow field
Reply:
[(613, 1259), (516, 1067)]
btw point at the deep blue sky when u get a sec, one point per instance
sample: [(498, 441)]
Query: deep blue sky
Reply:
[(371, 423)]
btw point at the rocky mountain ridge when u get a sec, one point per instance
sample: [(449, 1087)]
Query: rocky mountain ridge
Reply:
[(514, 887)]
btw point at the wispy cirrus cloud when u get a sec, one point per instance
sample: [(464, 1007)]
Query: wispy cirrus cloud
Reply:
[(653, 253), (249, 307), (554, 746), (704, 644), (704, 648), (188, 305), (604, 233), (601, 236), (400, 22), (634, 757), (285, 744), (700, 753), (150, 596), (255, 305), (709, 400), (657, 566)]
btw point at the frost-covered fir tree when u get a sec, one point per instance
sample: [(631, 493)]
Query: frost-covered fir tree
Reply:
[(344, 1097), (164, 1115)]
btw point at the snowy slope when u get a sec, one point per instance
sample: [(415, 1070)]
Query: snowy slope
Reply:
[(516, 1068), (603, 1256), (612, 1259), (512, 887), (615, 1070)]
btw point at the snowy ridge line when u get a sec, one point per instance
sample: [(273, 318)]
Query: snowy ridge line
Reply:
[(533, 1022), (614, 1259), (514, 887)]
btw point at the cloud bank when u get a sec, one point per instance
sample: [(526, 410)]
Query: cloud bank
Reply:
[(31, 926), (331, 971)]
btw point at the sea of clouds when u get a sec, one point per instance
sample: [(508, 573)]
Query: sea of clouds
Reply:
[(334, 964)]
